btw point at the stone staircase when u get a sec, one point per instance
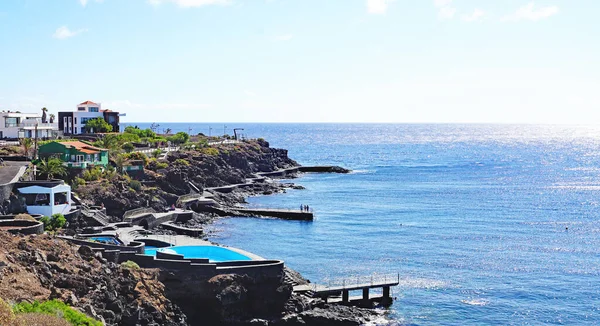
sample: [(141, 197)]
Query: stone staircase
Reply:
[(96, 215)]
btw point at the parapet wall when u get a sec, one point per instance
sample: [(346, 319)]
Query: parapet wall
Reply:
[(136, 247), (260, 269), (23, 226)]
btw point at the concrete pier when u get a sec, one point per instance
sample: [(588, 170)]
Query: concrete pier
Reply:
[(279, 213), (331, 294)]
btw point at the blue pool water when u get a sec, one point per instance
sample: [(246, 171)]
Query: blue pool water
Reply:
[(106, 240), (150, 250), (473, 217), (213, 253)]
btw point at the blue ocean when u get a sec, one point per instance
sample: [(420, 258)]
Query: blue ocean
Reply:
[(485, 224)]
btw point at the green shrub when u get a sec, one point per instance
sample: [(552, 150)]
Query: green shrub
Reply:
[(156, 153), (210, 151), (53, 223), (130, 265), (142, 133), (92, 174), (128, 147), (135, 185), (179, 138), (137, 156), (56, 308), (154, 165), (181, 161)]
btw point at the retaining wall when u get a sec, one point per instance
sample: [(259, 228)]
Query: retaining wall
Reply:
[(23, 226), (136, 247)]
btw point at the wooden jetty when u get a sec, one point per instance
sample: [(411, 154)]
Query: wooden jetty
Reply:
[(340, 292)]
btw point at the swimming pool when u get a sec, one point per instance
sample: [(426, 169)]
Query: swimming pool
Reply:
[(213, 253), (150, 250), (106, 240)]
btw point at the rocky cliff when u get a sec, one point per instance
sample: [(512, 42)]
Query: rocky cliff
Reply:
[(186, 172), (43, 268)]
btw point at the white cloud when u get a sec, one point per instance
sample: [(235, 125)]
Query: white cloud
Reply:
[(192, 3), (445, 10), (476, 15), (284, 37), (378, 6), (530, 12), (64, 32)]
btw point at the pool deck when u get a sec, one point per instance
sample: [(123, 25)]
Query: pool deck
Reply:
[(129, 234)]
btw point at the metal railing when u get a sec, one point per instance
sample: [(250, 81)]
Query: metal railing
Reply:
[(188, 197), (138, 211), (96, 214), (358, 281)]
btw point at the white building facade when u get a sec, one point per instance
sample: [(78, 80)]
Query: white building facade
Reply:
[(74, 122), (47, 201), (25, 125)]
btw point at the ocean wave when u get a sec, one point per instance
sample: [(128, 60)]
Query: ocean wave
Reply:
[(476, 302), (362, 172)]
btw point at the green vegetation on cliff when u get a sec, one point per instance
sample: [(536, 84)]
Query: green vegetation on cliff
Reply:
[(50, 313)]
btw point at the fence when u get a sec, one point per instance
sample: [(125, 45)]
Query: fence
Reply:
[(358, 282)]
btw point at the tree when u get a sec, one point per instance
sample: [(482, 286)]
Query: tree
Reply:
[(128, 147), (120, 161), (179, 138), (44, 110), (97, 125), (26, 143), (51, 167), (168, 131), (52, 117)]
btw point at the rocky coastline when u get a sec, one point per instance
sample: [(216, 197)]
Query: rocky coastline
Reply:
[(44, 267)]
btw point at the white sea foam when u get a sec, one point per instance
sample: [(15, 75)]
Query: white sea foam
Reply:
[(476, 302)]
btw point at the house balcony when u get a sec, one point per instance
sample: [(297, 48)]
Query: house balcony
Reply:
[(31, 125), (82, 164)]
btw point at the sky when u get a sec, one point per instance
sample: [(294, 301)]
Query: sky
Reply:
[(409, 61)]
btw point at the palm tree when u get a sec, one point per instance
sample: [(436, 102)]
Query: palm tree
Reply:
[(44, 110), (52, 117), (120, 161), (168, 131), (26, 143), (51, 167)]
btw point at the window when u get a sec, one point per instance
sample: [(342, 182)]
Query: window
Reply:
[(11, 122), (72, 158), (96, 158), (81, 108), (60, 198), (83, 130), (85, 120), (74, 120), (37, 199), (94, 109)]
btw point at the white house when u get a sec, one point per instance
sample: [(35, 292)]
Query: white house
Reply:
[(47, 201), (74, 122), (24, 125)]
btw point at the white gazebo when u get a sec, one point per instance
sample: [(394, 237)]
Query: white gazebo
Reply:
[(47, 201)]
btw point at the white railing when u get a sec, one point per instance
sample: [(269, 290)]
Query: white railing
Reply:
[(357, 282), (39, 125)]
